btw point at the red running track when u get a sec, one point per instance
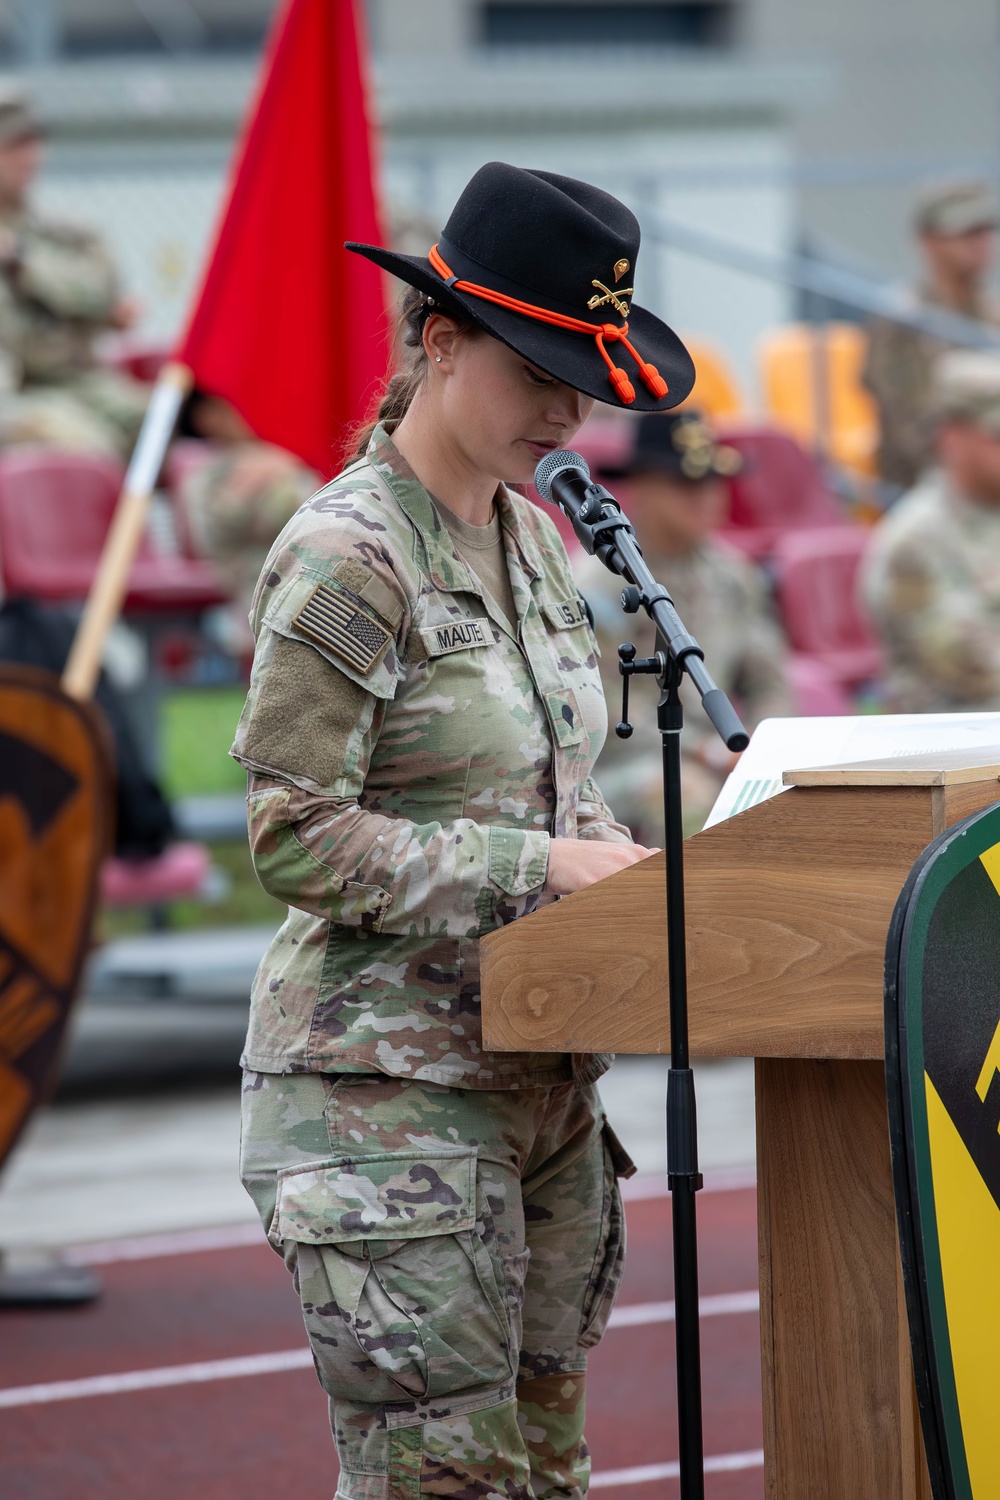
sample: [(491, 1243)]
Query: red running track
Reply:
[(246, 1438)]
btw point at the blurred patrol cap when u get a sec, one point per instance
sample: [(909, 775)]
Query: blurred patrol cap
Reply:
[(18, 119), (967, 388), (680, 444), (956, 208)]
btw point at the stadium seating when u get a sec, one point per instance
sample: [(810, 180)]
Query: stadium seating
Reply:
[(716, 390), (55, 510), (816, 580), (181, 870), (816, 692), (810, 376), (781, 489)]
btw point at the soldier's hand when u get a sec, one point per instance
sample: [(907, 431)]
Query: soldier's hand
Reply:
[(576, 863)]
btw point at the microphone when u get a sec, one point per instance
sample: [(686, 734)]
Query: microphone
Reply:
[(563, 478), (562, 472)]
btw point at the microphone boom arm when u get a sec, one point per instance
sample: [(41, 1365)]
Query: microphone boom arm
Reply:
[(606, 532)]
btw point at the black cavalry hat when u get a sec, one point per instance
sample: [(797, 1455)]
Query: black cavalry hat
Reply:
[(546, 264), (680, 444)]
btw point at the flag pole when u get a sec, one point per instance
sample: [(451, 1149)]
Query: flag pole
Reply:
[(107, 592)]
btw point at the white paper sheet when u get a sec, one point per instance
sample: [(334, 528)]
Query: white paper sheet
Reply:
[(779, 745)]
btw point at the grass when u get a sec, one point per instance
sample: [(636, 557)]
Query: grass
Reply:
[(245, 903), (197, 726)]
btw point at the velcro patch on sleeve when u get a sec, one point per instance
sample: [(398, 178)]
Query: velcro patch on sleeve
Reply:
[(335, 622), (565, 614), (456, 635)]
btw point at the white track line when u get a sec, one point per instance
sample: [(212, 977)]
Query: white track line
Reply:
[(718, 1463), (636, 1315), (722, 1180), (301, 1359), (236, 1236), (151, 1380), (149, 1246)]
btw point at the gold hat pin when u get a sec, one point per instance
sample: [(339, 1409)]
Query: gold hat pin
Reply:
[(605, 294)]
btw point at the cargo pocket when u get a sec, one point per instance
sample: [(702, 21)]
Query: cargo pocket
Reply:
[(401, 1296), (610, 1259)]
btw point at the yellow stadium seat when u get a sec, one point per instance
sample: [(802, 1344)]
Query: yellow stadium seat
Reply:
[(716, 391), (810, 377)]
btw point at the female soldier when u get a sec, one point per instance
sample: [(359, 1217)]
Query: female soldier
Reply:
[(424, 712)]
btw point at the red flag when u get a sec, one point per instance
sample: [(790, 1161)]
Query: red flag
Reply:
[(289, 326)]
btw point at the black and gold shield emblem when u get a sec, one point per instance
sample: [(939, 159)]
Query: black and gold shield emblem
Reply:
[(56, 763), (943, 1082)]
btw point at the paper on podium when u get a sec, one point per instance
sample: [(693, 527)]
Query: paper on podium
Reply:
[(780, 745)]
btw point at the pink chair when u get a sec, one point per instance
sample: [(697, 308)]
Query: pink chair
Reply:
[(817, 591), (781, 489), (816, 691), (181, 870), (55, 510)]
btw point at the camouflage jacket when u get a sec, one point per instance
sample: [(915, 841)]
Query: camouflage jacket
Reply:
[(723, 601), (236, 503), (898, 372), (57, 296), (931, 581), (409, 760)]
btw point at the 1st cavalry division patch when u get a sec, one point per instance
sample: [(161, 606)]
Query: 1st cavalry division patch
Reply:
[(942, 1041), (351, 633), (54, 764)]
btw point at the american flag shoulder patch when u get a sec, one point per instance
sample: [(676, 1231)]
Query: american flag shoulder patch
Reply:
[(330, 618)]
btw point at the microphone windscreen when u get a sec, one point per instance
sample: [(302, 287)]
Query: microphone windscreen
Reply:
[(549, 466)]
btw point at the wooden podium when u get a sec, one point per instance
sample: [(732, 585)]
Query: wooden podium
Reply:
[(788, 907)]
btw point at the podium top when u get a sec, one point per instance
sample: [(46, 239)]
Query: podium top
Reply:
[(927, 768)]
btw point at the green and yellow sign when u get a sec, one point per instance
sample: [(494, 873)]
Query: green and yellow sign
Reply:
[(942, 1022)]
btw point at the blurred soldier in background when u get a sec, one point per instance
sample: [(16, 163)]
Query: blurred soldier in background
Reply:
[(676, 500), (932, 575), (236, 501), (58, 291), (956, 227)]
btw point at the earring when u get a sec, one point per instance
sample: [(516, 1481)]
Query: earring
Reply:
[(437, 359)]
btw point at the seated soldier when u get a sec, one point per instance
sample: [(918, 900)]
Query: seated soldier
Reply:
[(932, 575), (58, 291), (676, 499), (236, 502)]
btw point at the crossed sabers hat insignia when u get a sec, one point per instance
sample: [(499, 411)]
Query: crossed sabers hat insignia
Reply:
[(615, 298)]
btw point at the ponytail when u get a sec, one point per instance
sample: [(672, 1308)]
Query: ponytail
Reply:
[(411, 357)]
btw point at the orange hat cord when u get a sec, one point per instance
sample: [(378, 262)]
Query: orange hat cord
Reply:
[(605, 332)]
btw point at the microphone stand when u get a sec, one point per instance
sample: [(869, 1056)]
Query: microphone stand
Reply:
[(605, 532)]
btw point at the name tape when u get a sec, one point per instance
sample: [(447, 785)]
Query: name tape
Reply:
[(456, 635)]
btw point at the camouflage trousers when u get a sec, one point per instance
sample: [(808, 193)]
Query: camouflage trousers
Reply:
[(457, 1252)]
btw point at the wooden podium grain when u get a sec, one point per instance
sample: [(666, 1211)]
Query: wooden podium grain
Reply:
[(788, 908)]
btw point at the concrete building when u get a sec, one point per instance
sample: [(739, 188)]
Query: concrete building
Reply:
[(765, 123)]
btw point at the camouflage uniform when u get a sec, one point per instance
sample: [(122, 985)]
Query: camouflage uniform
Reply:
[(235, 513), (409, 760), (932, 584), (723, 601), (59, 294), (899, 373), (900, 361)]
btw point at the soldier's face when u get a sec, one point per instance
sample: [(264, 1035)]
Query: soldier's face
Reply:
[(971, 457), (966, 256), (501, 411), (675, 515), (19, 164)]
